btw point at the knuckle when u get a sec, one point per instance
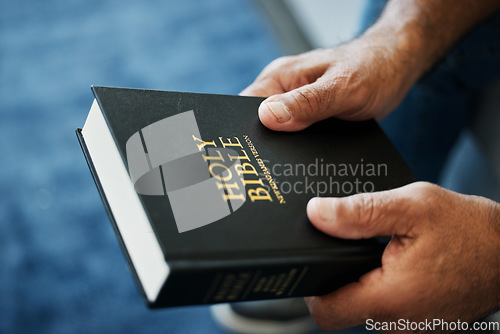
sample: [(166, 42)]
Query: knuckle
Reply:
[(425, 191), (420, 202), (279, 63), (365, 208), (275, 74), (307, 100), (264, 87)]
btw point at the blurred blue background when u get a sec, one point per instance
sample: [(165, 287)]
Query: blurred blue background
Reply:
[(61, 267)]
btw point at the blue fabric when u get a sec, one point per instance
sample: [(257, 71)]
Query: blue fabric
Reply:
[(61, 268), (428, 122)]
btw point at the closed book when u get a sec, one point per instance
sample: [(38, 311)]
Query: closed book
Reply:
[(210, 206)]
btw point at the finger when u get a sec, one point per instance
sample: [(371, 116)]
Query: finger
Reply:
[(366, 215), (273, 79), (263, 88), (298, 108), (352, 304)]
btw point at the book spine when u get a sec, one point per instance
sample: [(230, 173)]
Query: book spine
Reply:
[(270, 280), (93, 172)]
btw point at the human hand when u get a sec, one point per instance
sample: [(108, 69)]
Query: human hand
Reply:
[(443, 261), (369, 76), (359, 80)]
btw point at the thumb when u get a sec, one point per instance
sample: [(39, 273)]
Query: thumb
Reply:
[(367, 215), (297, 109)]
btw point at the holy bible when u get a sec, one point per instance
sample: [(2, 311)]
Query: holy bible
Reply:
[(210, 206)]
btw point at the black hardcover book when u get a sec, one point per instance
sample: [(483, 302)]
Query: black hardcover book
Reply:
[(210, 206)]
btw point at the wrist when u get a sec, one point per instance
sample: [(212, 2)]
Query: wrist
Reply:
[(401, 48), (418, 33)]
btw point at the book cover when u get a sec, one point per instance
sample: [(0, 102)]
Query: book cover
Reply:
[(209, 205)]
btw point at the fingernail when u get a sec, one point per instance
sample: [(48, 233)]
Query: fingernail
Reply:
[(323, 207), (279, 110)]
